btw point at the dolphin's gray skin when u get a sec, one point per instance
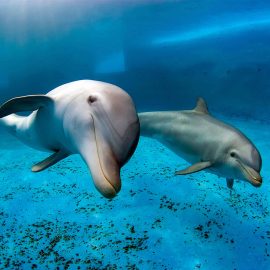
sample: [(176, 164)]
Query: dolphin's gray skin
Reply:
[(205, 142), (95, 119)]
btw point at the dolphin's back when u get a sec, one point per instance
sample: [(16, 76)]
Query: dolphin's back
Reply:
[(187, 133), (152, 122)]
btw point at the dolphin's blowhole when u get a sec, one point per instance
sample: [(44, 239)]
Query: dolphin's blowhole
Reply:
[(92, 99)]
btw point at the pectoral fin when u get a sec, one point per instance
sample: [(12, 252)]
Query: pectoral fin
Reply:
[(49, 161), (229, 183), (24, 104), (195, 168)]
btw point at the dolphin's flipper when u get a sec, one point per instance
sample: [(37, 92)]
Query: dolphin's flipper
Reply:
[(49, 161), (229, 183), (201, 106), (24, 104), (195, 168)]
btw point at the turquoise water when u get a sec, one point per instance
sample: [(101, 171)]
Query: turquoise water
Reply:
[(164, 54), (157, 221)]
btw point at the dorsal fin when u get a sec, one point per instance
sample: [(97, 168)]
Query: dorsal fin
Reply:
[(201, 106), (24, 104)]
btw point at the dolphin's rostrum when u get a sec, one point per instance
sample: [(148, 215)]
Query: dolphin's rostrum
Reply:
[(205, 142), (94, 119)]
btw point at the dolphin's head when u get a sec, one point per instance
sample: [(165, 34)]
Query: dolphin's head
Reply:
[(246, 162), (242, 160), (105, 132)]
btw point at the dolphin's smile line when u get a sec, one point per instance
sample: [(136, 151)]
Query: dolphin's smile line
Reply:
[(248, 173), (100, 163)]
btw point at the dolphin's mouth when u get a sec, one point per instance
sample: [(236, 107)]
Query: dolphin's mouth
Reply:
[(108, 186), (251, 175)]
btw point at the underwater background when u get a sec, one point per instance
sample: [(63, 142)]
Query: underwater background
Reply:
[(165, 54)]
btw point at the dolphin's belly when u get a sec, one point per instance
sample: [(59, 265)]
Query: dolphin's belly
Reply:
[(26, 132), (181, 150), (40, 131), (49, 127)]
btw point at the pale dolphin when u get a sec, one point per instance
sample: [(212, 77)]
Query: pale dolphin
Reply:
[(205, 142), (94, 119)]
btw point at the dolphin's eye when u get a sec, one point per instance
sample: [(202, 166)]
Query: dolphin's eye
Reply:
[(91, 99), (233, 154)]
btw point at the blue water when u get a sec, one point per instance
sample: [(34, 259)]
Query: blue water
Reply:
[(164, 54)]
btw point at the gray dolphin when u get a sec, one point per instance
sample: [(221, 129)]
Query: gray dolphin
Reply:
[(205, 142), (94, 119)]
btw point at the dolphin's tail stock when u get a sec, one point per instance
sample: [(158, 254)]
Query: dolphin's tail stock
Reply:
[(8, 119), (150, 122), (11, 122), (8, 110), (145, 124)]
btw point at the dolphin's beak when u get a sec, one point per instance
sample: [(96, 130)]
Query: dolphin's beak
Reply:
[(251, 175), (97, 153), (103, 167)]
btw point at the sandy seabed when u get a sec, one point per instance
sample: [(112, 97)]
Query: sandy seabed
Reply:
[(57, 220)]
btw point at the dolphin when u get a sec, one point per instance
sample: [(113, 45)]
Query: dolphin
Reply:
[(205, 142), (94, 119)]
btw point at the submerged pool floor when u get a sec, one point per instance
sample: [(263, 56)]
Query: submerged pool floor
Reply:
[(56, 218)]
